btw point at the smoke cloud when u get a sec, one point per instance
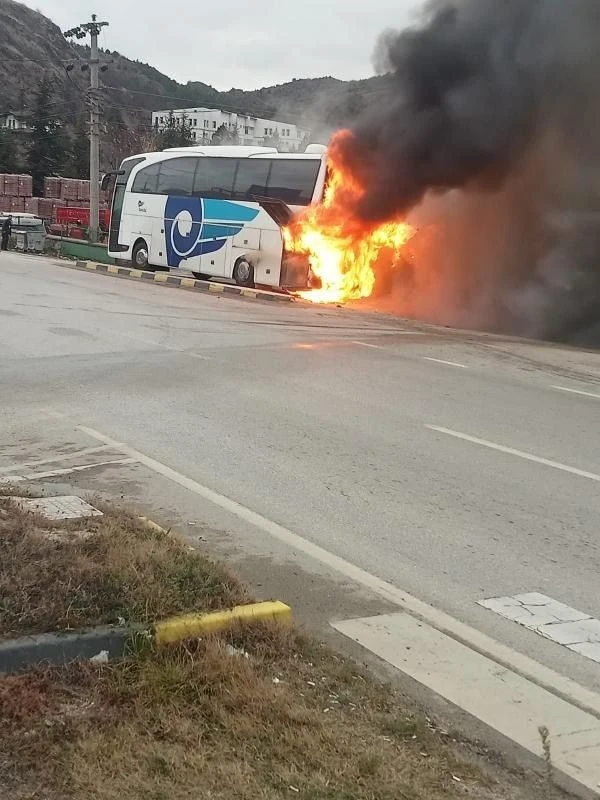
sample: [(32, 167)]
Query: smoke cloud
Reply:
[(489, 138)]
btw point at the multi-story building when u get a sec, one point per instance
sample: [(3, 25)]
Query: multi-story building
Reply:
[(205, 122), (12, 121)]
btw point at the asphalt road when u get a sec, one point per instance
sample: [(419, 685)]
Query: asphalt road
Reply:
[(327, 421)]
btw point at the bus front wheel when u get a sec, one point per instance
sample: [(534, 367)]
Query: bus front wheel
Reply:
[(243, 273), (139, 257)]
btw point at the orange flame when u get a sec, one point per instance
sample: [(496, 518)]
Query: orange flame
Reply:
[(342, 250)]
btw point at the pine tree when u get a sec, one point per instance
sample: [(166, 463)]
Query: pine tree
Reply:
[(47, 150), (273, 140), (225, 136), (79, 165), (176, 133), (9, 160)]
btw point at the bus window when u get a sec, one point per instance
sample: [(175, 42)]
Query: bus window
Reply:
[(176, 176), (251, 178), (293, 181), (214, 177), (146, 180)]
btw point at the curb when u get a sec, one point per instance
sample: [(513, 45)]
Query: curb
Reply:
[(167, 279), (62, 648), (110, 643), (190, 626)]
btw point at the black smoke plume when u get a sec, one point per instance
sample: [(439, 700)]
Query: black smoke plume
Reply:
[(489, 135)]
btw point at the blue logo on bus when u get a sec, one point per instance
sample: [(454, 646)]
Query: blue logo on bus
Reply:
[(195, 227)]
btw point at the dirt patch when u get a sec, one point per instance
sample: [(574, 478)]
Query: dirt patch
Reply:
[(101, 570)]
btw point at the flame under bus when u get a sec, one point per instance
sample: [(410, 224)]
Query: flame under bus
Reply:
[(216, 211)]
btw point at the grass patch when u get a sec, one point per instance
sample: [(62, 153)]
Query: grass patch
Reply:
[(259, 713), (199, 722), (64, 576)]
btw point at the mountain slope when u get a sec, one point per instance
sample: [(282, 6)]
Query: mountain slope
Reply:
[(31, 45)]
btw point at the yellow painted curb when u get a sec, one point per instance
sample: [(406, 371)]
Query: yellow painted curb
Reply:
[(190, 626), (161, 277), (215, 287), (189, 282), (113, 269)]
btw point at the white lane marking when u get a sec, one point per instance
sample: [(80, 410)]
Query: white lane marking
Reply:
[(55, 459), (447, 363), (553, 620), (576, 391), (500, 653), (32, 476), (500, 698), (372, 346), (512, 452)]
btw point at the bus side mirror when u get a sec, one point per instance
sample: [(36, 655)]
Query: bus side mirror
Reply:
[(106, 178)]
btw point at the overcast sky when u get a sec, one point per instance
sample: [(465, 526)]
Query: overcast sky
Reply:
[(241, 43)]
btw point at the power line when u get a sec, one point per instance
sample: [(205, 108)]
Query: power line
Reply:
[(233, 109)]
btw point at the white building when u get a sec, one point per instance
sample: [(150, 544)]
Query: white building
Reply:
[(13, 122), (204, 122)]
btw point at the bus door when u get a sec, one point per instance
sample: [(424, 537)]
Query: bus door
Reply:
[(215, 257)]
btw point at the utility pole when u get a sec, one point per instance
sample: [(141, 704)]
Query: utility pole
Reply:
[(93, 28)]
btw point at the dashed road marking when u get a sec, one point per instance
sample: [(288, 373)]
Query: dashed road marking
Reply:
[(446, 363), (562, 624), (367, 344), (513, 452), (576, 391), (382, 347)]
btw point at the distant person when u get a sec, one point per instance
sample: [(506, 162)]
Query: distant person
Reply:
[(6, 232)]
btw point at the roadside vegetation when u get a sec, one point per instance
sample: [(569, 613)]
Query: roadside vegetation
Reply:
[(260, 712)]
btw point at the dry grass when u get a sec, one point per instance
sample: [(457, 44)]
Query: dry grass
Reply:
[(99, 571), (202, 721), (290, 720)]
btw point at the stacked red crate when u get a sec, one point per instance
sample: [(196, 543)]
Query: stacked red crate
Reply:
[(69, 189), (17, 204), (52, 187), (45, 207), (83, 190), (5, 203), (11, 185), (32, 205), (2, 176), (25, 186)]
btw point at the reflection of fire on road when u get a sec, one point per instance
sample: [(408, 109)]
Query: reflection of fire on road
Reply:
[(346, 254)]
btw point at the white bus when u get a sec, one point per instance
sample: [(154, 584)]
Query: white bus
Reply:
[(215, 211)]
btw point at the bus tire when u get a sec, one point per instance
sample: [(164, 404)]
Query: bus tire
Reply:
[(139, 256), (243, 273)]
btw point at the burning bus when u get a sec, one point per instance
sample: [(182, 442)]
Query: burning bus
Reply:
[(251, 215)]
